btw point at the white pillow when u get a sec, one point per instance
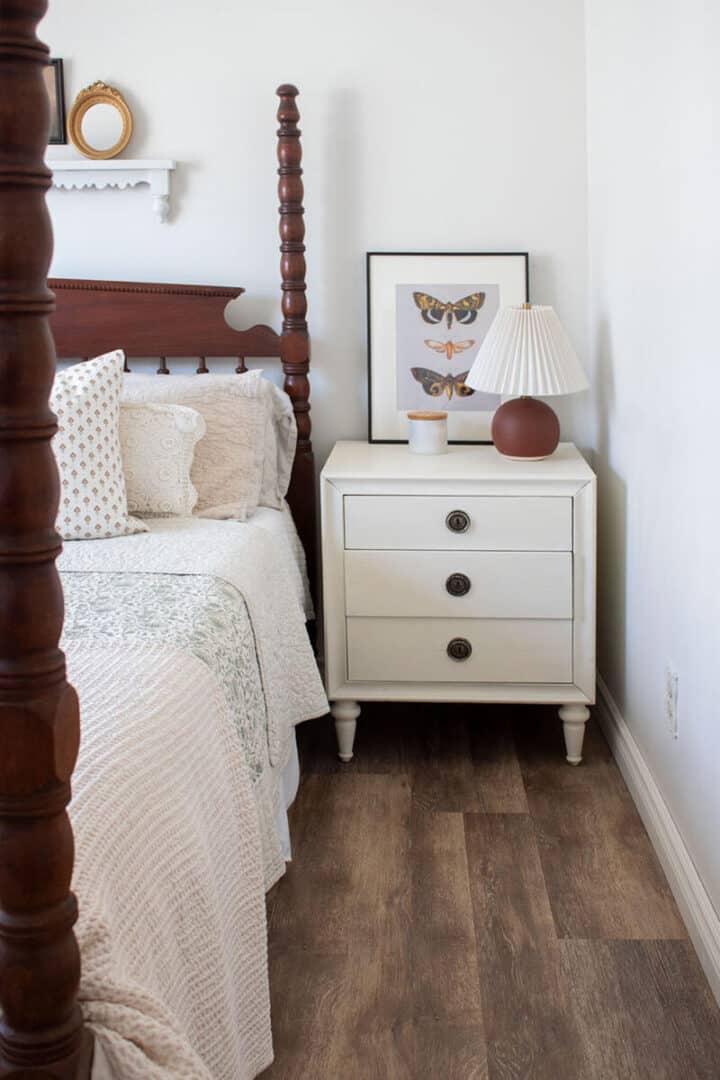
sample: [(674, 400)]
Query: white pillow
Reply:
[(243, 459), (280, 445), (86, 400), (158, 446)]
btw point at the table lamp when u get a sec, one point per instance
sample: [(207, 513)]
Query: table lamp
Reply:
[(526, 351)]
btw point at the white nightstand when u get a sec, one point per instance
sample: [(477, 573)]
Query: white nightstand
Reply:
[(461, 577)]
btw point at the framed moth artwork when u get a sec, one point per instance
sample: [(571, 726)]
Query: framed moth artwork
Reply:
[(427, 317)]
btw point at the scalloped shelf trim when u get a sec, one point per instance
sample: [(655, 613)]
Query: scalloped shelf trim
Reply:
[(71, 174)]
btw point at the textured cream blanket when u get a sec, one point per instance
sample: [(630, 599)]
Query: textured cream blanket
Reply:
[(169, 872), (250, 559)]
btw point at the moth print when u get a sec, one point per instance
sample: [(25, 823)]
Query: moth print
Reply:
[(464, 311), (450, 348), (435, 384)]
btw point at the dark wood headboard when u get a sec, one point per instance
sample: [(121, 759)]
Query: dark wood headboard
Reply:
[(150, 320), (42, 1031)]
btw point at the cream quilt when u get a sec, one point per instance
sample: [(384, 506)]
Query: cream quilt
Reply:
[(247, 558), (169, 872), (172, 853)]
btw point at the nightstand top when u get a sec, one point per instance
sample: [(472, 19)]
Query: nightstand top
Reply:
[(394, 461)]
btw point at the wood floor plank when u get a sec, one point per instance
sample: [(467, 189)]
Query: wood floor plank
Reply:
[(603, 877), (306, 988), (688, 1004), (449, 1050), (445, 1037), (529, 1027), (633, 1022), (351, 840), (444, 953), (497, 770), (600, 1010), (345, 901), (443, 773)]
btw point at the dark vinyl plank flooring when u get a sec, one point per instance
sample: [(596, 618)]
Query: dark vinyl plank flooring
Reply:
[(463, 905), (529, 1026), (602, 875), (631, 1001)]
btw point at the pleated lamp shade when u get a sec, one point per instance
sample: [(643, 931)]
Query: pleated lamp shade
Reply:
[(526, 352)]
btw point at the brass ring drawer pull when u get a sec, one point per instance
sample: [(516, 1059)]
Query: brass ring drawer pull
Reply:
[(458, 521), (459, 649), (458, 584)]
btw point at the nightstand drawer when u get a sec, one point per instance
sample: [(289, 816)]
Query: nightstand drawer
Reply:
[(463, 584), (462, 522), (499, 650)]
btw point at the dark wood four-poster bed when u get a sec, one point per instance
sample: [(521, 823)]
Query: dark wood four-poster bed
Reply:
[(50, 1018)]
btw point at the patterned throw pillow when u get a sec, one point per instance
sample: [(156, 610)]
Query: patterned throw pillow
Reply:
[(158, 446), (86, 401)]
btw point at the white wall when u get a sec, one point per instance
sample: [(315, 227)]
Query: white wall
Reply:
[(654, 177), (426, 127)]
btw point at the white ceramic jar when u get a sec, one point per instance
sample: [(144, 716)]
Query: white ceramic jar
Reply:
[(427, 432)]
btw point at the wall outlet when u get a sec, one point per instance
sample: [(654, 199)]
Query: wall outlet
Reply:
[(671, 700)]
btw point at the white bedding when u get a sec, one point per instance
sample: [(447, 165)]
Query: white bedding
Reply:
[(172, 852), (238, 553), (169, 872), (280, 524)]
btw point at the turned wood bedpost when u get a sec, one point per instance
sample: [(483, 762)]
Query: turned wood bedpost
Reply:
[(295, 342), (41, 1031)]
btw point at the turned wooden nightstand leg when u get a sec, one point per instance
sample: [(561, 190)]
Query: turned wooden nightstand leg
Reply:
[(574, 718), (345, 714)]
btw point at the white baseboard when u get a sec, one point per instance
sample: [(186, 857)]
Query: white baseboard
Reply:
[(701, 918)]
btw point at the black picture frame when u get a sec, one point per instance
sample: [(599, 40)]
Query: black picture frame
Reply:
[(55, 82), (377, 431)]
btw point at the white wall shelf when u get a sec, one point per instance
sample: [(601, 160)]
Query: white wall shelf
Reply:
[(75, 174)]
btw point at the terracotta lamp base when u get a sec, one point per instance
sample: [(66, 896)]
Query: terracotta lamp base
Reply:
[(525, 429)]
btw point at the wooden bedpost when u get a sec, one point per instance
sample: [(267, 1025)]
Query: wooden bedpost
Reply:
[(295, 343), (41, 1029)]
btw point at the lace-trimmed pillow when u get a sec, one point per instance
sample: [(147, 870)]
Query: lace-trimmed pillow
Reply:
[(228, 467), (86, 401), (158, 445)]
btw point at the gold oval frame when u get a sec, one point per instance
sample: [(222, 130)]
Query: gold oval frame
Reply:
[(99, 94)]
